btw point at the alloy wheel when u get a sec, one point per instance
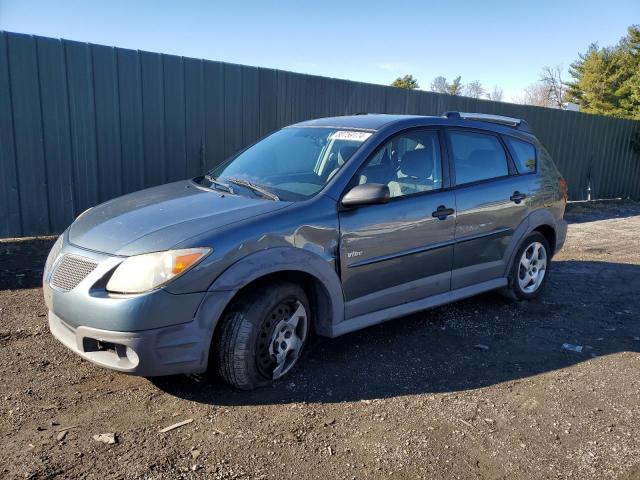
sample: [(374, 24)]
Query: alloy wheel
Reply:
[(532, 267)]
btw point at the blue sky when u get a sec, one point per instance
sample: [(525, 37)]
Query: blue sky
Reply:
[(503, 43)]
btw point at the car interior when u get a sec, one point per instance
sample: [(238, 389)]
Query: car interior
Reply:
[(407, 165)]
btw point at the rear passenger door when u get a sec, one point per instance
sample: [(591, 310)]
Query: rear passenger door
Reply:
[(491, 202)]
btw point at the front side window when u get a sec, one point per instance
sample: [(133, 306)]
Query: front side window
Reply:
[(477, 156), (293, 163), (409, 163), (524, 155)]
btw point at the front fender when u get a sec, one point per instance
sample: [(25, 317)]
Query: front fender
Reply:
[(283, 259)]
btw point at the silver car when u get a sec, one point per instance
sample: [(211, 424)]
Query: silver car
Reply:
[(323, 227)]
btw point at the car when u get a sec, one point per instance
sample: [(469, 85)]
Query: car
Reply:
[(321, 228)]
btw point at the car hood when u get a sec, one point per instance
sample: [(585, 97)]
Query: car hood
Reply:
[(158, 218)]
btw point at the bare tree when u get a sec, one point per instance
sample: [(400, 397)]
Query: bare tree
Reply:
[(555, 87), (440, 85), (548, 91), (474, 89), (536, 94), (496, 94)]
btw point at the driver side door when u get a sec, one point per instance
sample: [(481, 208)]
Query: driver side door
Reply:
[(400, 251)]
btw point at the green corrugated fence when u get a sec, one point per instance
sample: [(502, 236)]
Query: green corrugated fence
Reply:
[(83, 123)]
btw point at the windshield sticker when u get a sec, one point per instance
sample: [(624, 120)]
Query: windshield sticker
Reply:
[(350, 135)]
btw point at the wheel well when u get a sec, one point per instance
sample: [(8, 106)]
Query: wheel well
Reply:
[(550, 234), (319, 299)]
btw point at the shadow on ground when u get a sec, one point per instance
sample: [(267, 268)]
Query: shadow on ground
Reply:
[(583, 212), (22, 262), (591, 304)]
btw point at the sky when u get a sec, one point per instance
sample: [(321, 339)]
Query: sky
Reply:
[(504, 43)]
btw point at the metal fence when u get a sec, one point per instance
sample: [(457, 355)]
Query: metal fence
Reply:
[(83, 123)]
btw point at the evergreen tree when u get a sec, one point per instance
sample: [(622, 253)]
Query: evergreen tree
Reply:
[(407, 82), (455, 87), (606, 80), (629, 91)]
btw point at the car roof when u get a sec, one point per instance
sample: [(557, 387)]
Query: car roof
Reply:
[(365, 121), (378, 121)]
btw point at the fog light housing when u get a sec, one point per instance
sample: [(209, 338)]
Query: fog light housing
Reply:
[(132, 356)]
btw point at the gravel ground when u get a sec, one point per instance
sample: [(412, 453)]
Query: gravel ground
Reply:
[(479, 389)]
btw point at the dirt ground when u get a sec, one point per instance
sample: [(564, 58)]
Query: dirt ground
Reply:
[(479, 389)]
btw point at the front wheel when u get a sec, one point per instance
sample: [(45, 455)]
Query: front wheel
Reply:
[(530, 270), (262, 335)]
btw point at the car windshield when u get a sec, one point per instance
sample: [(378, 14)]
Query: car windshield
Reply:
[(291, 164)]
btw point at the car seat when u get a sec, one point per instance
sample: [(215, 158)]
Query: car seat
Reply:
[(416, 170)]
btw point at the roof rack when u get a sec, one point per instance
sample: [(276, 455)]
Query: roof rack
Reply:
[(518, 123)]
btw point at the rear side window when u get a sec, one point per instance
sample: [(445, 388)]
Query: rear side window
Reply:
[(524, 155), (477, 156)]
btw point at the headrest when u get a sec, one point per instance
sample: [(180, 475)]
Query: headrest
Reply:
[(345, 152), (417, 163)]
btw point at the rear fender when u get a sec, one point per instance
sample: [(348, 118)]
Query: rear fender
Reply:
[(528, 225)]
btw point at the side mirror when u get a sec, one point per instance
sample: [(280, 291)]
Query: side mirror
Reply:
[(366, 194)]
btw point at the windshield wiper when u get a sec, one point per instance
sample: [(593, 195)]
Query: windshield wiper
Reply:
[(223, 186), (256, 188)]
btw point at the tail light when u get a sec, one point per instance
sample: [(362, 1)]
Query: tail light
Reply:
[(564, 188)]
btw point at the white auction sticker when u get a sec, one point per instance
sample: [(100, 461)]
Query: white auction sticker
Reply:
[(352, 135)]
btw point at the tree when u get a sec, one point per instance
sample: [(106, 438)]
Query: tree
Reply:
[(407, 82), (536, 94), (455, 87), (606, 80), (596, 80), (440, 85), (630, 90), (554, 86), (474, 89), (549, 91), (496, 94)]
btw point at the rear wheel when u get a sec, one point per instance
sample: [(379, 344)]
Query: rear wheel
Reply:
[(262, 335), (530, 270)]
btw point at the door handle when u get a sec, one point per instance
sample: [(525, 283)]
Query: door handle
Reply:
[(442, 212), (517, 197)]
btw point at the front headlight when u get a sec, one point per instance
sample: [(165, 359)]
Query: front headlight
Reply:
[(142, 273), (53, 255)]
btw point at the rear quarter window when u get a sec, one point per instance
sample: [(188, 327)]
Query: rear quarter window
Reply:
[(524, 155)]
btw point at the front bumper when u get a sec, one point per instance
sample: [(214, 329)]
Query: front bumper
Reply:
[(161, 351), (150, 334)]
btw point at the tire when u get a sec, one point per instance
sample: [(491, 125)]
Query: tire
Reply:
[(250, 353), (525, 284)]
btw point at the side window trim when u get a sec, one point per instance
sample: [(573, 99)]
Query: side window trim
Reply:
[(447, 182), (511, 168)]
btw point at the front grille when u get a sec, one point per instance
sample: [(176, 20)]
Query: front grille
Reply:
[(71, 270)]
